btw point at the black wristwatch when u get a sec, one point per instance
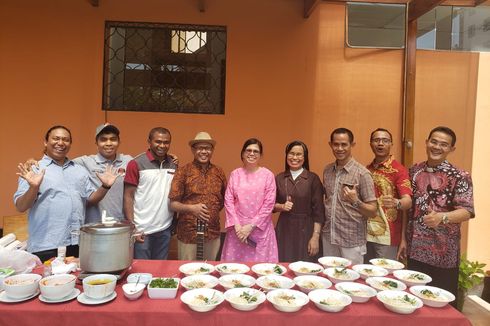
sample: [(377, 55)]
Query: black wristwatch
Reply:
[(356, 204)]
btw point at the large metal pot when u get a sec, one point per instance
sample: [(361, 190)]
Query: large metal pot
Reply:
[(106, 247)]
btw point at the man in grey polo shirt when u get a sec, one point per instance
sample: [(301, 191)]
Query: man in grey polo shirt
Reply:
[(107, 141)]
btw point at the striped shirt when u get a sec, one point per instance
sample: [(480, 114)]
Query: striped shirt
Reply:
[(344, 224)]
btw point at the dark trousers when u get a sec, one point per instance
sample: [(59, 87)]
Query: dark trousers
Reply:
[(44, 255), (444, 278)]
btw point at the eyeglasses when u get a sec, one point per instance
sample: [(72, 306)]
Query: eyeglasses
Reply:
[(442, 145), (385, 141), (252, 151), (298, 155), (203, 148)]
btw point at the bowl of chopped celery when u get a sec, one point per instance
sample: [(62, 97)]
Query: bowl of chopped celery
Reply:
[(163, 287)]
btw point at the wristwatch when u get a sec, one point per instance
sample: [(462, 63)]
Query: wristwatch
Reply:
[(356, 204), (398, 204), (445, 219)]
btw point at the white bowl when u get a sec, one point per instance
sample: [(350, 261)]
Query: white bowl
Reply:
[(329, 300), (385, 283), (144, 278), (274, 282), (411, 278), (358, 292), (232, 268), (55, 287), (196, 269), (163, 293), (231, 281), (388, 264), (432, 296), (194, 299), (286, 300), (308, 283), (133, 291), (199, 281), (332, 261), (305, 268), (400, 302), (341, 274), (263, 269), (21, 286), (99, 286), (244, 299), (368, 270)]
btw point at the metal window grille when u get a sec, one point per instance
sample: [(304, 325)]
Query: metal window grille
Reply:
[(164, 68)]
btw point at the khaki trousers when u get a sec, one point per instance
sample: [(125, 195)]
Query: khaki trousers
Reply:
[(187, 251)]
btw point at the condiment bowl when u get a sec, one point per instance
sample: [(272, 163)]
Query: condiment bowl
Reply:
[(99, 286), (202, 300), (244, 299), (133, 291), (55, 287), (21, 286)]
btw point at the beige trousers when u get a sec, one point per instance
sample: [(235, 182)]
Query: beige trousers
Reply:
[(187, 251)]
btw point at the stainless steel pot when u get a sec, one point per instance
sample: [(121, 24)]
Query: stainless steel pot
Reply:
[(106, 247)]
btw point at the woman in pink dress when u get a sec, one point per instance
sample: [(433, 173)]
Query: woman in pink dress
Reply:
[(249, 200)]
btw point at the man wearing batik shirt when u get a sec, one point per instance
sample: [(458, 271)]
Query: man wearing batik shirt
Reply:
[(442, 200), (197, 194), (386, 231)]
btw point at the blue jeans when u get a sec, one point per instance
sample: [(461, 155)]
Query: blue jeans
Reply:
[(155, 246)]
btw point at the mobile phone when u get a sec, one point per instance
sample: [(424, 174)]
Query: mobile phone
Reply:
[(251, 243), (350, 186)]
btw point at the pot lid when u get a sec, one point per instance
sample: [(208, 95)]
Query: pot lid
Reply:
[(108, 228)]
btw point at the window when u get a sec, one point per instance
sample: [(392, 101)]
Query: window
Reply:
[(455, 28), (375, 25), (164, 68)]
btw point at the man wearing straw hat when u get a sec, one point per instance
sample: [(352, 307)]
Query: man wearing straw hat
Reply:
[(197, 194)]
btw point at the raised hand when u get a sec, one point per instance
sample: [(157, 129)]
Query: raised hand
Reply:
[(33, 179), (109, 176)]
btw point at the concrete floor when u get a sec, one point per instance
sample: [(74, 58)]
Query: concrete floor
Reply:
[(478, 315)]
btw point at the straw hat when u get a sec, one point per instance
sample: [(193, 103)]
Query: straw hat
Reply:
[(202, 137)]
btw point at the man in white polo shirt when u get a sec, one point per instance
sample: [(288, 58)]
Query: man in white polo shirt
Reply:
[(146, 204)]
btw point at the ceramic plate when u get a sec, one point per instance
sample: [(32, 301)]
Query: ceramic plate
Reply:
[(5, 298), (73, 295), (82, 298)]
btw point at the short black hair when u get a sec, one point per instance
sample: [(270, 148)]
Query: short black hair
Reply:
[(447, 131), (306, 163), (46, 137), (381, 129), (342, 131), (158, 130), (251, 141)]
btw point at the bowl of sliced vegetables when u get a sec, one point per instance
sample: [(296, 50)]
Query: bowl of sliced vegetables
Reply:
[(358, 292), (163, 287), (329, 300), (199, 281), (400, 302), (307, 283), (232, 268), (202, 300), (341, 274), (385, 283), (411, 278), (196, 269), (231, 281), (432, 296), (305, 268), (244, 299), (268, 269)]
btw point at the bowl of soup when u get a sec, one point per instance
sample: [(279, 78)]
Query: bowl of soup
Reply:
[(56, 287), (99, 286)]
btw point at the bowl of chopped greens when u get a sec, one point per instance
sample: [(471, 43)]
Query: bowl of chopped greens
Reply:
[(202, 300), (163, 287), (196, 269), (400, 302), (268, 269), (432, 296), (329, 300), (244, 299), (411, 278)]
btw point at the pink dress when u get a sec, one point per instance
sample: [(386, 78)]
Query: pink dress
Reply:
[(250, 199)]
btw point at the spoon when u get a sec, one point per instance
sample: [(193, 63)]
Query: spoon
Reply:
[(136, 284)]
